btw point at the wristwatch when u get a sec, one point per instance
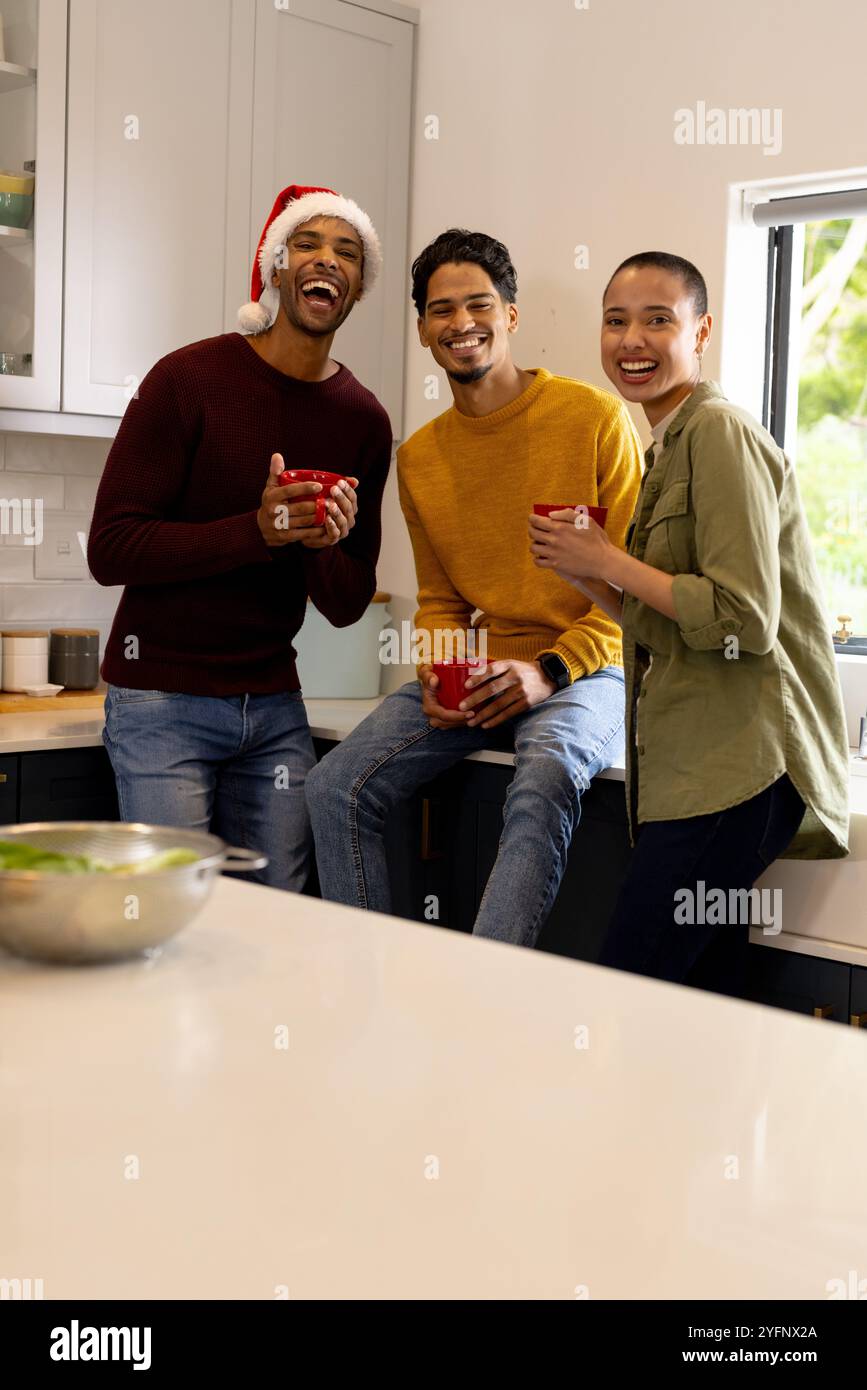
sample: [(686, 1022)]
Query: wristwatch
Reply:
[(555, 669)]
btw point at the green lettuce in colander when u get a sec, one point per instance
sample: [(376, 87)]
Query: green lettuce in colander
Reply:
[(14, 855)]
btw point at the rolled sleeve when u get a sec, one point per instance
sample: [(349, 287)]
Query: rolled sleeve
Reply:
[(736, 481), (695, 599)]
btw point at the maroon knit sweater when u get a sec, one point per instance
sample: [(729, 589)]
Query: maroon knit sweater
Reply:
[(213, 607)]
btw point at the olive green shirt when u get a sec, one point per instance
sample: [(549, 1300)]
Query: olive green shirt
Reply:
[(743, 687)]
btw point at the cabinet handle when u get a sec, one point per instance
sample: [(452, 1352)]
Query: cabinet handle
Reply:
[(428, 850), (858, 1020), (3, 777), (824, 1011)]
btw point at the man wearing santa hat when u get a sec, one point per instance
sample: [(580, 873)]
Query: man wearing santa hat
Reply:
[(204, 720)]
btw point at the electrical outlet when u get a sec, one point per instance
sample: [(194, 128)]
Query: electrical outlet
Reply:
[(62, 552)]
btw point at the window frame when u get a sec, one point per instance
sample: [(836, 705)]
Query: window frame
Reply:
[(778, 336)]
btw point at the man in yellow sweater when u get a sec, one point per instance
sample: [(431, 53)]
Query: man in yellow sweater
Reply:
[(468, 481)]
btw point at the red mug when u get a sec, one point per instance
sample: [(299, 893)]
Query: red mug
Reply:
[(452, 676), (598, 514), (313, 475)]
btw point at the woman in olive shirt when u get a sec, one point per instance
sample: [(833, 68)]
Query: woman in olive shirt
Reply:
[(736, 739)]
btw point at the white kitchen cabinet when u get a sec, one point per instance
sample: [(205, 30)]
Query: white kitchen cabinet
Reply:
[(184, 122), (158, 186), (333, 99), (32, 104)]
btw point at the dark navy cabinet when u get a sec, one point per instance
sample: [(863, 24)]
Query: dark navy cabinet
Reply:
[(805, 984), (9, 789), (66, 784), (858, 997)]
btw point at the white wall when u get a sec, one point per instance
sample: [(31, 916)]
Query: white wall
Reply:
[(65, 474), (556, 129)]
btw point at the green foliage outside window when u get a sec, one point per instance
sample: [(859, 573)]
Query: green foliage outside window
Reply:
[(832, 410)]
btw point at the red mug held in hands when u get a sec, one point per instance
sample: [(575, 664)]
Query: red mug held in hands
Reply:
[(597, 514), (314, 475), (452, 677)]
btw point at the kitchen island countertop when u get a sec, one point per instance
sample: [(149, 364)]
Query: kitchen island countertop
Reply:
[(295, 1099)]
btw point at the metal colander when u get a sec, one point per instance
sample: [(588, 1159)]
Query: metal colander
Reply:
[(91, 917)]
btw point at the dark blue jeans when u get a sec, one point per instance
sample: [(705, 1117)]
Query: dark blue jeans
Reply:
[(234, 765), (675, 866)]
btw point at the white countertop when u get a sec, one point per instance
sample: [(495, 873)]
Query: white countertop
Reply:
[(697, 1147), (334, 719)]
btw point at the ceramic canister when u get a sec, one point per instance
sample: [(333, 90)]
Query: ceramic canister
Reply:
[(73, 659), (25, 658)]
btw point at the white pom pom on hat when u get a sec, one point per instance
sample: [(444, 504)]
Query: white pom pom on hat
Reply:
[(292, 207)]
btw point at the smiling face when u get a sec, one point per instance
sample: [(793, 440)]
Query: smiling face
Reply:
[(652, 338), (466, 322), (320, 275)]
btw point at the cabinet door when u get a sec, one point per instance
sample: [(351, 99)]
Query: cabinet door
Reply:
[(430, 843), (858, 997), (67, 784), (332, 108), (9, 789), (598, 855), (805, 984), (32, 126), (158, 186), (598, 858)]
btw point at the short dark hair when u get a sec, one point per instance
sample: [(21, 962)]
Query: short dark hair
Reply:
[(456, 245), (675, 265)]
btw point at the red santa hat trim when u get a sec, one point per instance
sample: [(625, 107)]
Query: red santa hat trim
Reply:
[(292, 207)]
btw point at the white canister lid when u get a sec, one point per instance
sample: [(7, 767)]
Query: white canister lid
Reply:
[(29, 643)]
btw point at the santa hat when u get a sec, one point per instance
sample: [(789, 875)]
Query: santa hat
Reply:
[(292, 207)]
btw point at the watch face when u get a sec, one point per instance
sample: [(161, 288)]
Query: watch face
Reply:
[(555, 668)]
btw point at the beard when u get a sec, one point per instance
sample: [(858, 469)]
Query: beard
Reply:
[(474, 374)]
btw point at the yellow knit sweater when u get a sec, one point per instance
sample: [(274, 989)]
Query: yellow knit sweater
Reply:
[(467, 487)]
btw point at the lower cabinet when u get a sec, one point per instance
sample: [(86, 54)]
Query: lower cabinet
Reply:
[(858, 997), (804, 984), (431, 852), (67, 784), (442, 844), (9, 789)]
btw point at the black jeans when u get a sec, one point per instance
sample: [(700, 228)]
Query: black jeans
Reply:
[(725, 850)]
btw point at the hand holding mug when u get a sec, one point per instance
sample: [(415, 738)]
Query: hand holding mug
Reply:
[(580, 550), (504, 690), (296, 506), (337, 504), (286, 513), (440, 716)]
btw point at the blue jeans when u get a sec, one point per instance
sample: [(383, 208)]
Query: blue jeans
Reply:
[(559, 746), (234, 765)]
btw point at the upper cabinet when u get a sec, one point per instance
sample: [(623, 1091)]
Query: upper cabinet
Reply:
[(333, 100), (32, 145), (157, 185), (183, 120)]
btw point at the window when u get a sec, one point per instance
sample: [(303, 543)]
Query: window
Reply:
[(815, 398)]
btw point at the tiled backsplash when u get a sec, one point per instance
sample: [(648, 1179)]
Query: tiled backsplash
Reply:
[(65, 473)]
